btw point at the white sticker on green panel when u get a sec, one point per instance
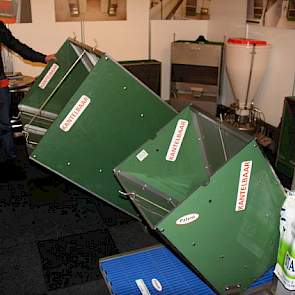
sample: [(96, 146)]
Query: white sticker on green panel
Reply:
[(75, 113), (186, 219), (48, 76), (177, 139), (244, 182), (142, 155)]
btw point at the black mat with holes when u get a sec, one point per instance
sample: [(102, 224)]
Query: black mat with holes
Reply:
[(74, 259)]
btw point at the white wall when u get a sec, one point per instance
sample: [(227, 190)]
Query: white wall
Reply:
[(123, 40), (43, 34), (278, 81), (127, 40), (227, 19)]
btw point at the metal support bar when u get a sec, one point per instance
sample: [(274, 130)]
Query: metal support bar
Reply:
[(250, 75), (293, 181), (57, 86), (222, 142)]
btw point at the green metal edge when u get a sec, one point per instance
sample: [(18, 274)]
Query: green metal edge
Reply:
[(230, 248), (176, 179), (122, 115), (66, 56)]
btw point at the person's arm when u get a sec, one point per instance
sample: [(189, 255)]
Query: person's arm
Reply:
[(22, 49)]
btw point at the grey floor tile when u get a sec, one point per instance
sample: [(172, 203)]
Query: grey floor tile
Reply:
[(91, 288), (21, 271), (59, 219), (131, 236)]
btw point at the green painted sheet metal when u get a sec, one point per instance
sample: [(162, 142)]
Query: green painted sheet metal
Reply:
[(175, 179), (122, 114), (205, 148), (285, 161), (229, 248), (54, 87), (66, 57)]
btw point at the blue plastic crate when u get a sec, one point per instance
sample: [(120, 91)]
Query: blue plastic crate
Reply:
[(171, 274)]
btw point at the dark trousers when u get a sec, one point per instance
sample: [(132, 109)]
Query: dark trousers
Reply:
[(8, 151)]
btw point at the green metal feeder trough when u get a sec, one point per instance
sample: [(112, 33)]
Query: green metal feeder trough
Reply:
[(211, 195), (105, 116), (54, 87)]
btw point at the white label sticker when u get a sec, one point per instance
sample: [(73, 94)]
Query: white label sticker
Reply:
[(48, 76), (157, 285), (75, 113), (142, 155), (244, 181), (142, 287), (186, 219), (177, 139)]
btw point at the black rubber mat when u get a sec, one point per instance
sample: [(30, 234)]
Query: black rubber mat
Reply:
[(74, 259)]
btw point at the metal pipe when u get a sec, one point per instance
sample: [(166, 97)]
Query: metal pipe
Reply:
[(82, 32), (148, 201), (57, 86), (293, 91), (293, 182), (250, 75), (222, 143), (150, 37)]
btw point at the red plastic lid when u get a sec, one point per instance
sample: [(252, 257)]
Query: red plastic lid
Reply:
[(243, 41)]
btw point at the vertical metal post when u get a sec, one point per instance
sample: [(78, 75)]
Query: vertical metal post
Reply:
[(150, 36), (250, 75), (293, 181), (82, 32), (293, 91)]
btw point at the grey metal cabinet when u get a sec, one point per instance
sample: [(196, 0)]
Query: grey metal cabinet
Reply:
[(195, 74)]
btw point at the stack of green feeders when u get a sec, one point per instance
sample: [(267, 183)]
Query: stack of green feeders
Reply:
[(54, 87), (107, 115), (205, 188), (211, 195)]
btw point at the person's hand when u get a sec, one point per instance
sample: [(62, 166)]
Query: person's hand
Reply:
[(50, 57)]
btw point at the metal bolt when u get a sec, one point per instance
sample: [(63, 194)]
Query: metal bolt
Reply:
[(125, 87), (193, 244), (106, 58), (141, 115), (69, 163), (34, 156), (100, 170)]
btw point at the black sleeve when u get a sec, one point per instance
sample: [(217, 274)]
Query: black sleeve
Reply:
[(15, 45)]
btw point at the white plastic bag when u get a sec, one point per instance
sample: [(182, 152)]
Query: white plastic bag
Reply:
[(285, 267)]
